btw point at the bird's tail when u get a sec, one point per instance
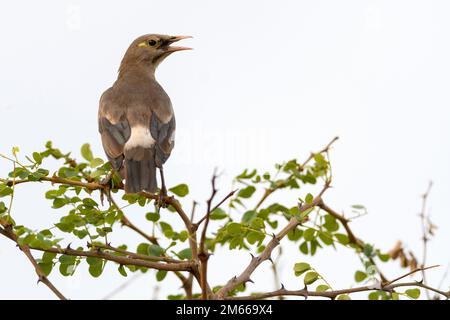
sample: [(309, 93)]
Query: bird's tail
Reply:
[(140, 170)]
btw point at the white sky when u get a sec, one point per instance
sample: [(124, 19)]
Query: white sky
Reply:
[(268, 81)]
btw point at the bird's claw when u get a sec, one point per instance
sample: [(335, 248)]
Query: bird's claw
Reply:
[(161, 201)]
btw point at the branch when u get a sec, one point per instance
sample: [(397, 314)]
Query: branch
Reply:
[(8, 232), (269, 191), (389, 287), (266, 254), (351, 236), (180, 266), (203, 254), (424, 230)]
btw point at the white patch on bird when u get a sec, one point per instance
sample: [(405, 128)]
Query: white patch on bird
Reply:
[(140, 137)]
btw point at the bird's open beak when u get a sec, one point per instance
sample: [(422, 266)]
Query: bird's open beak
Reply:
[(176, 48)]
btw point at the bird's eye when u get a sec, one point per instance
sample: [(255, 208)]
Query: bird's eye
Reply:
[(151, 43)]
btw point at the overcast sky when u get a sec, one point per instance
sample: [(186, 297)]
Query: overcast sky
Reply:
[(268, 81)]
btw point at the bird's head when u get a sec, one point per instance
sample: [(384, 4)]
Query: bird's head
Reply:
[(148, 51)]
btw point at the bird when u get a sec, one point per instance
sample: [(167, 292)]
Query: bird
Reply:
[(136, 120)]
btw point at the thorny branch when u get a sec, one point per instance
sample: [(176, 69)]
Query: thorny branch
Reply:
[(7, 231), (197, 266)]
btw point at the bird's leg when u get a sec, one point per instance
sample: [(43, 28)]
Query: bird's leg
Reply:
[(163, 190), (105, 181)]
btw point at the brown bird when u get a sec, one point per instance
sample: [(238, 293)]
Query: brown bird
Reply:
[(136, 119)]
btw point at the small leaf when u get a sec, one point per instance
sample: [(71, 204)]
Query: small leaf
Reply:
[(322, 288), (309, 234), (310, 277), (218, 214), (96, 162), (160, 275), (234, 228), (122, 271), (301, 268), (309, 198), (155, 250), (185, 254), (343, 297), (180, 190), (152, 216), (86, 152), (247, 192), (413, 293), (360, 276)]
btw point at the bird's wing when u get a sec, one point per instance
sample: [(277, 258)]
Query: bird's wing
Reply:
[(114, 129), (164, 135)]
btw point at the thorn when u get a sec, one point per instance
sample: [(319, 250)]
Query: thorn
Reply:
[(234, 279), (270, 259), (252, 255), (68, 246), (282, 286), (250, 280)]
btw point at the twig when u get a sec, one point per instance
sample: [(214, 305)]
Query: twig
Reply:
[(424, 231), (351, 236), (8, 232), (266, 254), (203, 254), (269, 191)]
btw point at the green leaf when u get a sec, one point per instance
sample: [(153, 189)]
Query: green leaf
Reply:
[(360, 276), (304, 248), (48, 256), (155, 250), (234, 228), (330, 223), (46, 267), (185, 254), (255, 236), (166, 229), (295, 234), (96, 162), (86, 152), (342, 238), (143, 248), (180, 190), (122, 271), (326, 238), (310, 277), (322, 288), (160, 275), (152, 216), (374, 295), (59, 202), (218, 214), (309, 198), (343, 297), (309, 234), (249, 216), (301, 268), (247, 192), (96, 270), (258, 223), (37, 157), (413, 293)]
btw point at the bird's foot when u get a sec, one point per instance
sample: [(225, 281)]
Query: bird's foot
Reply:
[(106, 180), (161, 201)]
